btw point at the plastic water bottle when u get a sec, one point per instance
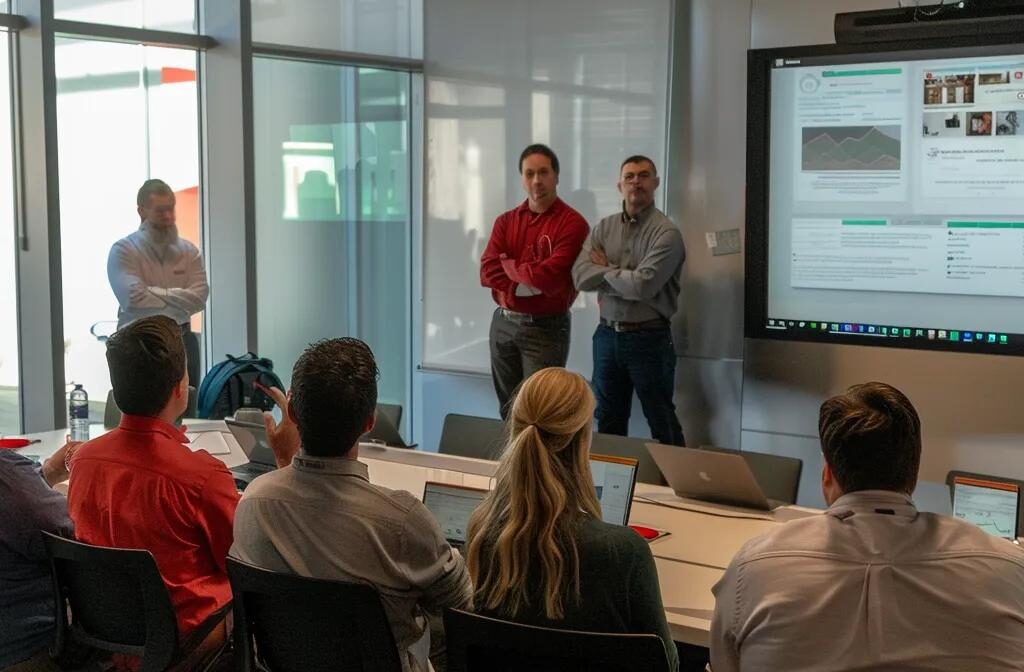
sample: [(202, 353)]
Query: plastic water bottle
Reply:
[(78, 413)]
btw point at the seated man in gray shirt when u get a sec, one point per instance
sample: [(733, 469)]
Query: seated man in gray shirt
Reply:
[(873, 584), (321, 517)]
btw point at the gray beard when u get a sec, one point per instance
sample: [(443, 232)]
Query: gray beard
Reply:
[(161, 239)]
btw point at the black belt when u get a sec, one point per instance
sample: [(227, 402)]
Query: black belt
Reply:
[(659, 323), (528, 318)]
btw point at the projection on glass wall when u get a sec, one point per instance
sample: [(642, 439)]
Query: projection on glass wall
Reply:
[(368, 160)]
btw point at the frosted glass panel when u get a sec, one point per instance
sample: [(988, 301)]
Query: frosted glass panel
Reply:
[(379, 27), (332, 213), (174, 15), (136, 107), (588, 77)]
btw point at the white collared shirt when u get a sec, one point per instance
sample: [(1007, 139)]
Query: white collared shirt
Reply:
[(148, 280), (871, 585)]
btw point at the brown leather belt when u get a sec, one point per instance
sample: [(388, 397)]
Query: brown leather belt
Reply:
[(659, 323)]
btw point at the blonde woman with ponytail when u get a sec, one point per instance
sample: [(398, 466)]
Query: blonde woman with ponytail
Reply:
[(538, 551)]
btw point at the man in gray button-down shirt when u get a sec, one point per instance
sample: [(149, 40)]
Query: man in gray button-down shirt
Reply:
[(321, 516), (634, 260)]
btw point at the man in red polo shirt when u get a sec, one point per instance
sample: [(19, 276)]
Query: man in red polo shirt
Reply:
[(528, 267), (140, 486)]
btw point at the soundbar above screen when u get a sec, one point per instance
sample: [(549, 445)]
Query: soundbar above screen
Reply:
[(885, 197)]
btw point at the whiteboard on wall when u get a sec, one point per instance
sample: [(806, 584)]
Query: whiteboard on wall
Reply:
[(582, 76)]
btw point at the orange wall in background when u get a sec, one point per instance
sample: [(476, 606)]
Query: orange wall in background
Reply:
[(186, 211)]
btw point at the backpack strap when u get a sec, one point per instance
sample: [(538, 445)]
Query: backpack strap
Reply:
[(214, 382)]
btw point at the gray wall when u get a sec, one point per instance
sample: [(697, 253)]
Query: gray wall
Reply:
[(967, 403)]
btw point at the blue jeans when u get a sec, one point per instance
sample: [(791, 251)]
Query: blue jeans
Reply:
[(644, 361)]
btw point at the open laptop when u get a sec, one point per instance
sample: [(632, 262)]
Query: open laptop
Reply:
[(452, 505), (988, 502), (252, 438), (614, 479), (722, 478)]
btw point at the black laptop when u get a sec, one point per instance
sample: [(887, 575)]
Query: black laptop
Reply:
[(452, 505)]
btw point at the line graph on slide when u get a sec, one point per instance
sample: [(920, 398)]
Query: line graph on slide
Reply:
[(993, 510), (858, 148)]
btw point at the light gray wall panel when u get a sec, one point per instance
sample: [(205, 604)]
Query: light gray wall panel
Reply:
[(781, 23), (708, 393), (705, 193)]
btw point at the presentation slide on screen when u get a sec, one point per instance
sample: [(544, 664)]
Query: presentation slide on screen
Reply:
[(992, 509), (612, 481), (900, 184)]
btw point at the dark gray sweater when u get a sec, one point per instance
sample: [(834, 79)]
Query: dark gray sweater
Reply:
[(618, 586)]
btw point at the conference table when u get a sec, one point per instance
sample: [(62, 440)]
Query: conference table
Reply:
[(701, 541)]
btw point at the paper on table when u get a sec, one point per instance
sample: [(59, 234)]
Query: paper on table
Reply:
[(211, 441)]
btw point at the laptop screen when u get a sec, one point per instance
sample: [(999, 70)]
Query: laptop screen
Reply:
[(452, 505), (252, 439), (989, 504), (614, 479)]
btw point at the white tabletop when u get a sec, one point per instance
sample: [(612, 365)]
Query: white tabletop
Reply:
[(701, 542)]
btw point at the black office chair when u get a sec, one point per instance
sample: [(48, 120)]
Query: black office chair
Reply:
[(298, 624), (385, 430), (472, 436), (481, 644), (112, 414), (628, 446), (778, 476), (118, 602)]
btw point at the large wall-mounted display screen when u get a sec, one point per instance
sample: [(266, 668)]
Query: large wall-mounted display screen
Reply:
[(886, 197)]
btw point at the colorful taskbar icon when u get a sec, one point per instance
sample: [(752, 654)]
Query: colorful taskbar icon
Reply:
[(885, 331)]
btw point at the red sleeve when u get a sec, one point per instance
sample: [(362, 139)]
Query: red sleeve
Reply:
[(216, 515), (553, 274), (491, 273)]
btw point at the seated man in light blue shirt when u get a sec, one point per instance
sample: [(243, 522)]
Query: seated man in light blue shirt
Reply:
[(321, 517), (872, 584)]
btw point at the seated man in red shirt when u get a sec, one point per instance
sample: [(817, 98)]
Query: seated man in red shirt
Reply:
[(140, 486)]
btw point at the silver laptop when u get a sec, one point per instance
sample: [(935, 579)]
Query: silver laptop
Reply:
[(722, 478), (252, 438), (452, 505), (614, 479)]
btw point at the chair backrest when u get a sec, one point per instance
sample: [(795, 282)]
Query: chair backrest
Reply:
[(481, 644), (385, 430), (393, 412), (118, 601), (112, 414), (778, 476), (472, 436), (628, 446), (302, 624)]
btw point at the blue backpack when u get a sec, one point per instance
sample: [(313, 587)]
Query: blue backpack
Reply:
[(229, 386)]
